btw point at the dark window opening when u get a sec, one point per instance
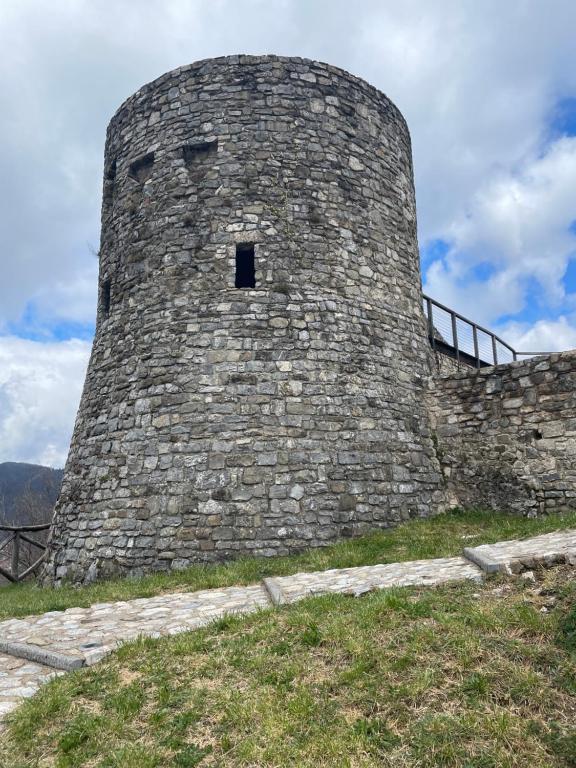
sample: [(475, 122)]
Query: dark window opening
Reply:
[(111, 171), (537, 434), (245, 272), (105, 297), (109, 180), (141, 169), (193, 153)]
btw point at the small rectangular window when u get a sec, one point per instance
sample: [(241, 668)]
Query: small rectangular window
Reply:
[(105, 297), (245, 271)]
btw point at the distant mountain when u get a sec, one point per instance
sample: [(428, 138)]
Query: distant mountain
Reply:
[(28, 492)]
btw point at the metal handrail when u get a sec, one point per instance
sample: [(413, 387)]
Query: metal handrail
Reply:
[(18, 534), (472, 356)]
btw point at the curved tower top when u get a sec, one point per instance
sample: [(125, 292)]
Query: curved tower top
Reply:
[(258, 374)]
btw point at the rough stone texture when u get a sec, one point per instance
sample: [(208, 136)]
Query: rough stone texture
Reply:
[(506, 435), (356, 581), (516, 555), (217, 420)]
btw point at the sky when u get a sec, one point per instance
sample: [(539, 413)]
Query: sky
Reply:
[(489, 92)]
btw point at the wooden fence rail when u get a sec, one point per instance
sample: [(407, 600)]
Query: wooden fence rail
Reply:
[(16, 535)]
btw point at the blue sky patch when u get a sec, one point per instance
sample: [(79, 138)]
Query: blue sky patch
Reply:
[(564, 118), (34, 326), (482, 272), (434, 250), (569, 279)]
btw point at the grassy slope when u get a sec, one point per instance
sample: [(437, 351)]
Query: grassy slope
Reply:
[(463, 676), (458, 676), (441, 536)]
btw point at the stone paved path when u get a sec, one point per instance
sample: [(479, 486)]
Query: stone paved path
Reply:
[(20, 679), (91, 633), (356, 581), (82, 636), (514, 556)]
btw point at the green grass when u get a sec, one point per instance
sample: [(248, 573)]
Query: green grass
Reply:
[(462, 676), (441, 536)]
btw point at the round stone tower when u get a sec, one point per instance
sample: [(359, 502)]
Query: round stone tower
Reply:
[(258, 378)]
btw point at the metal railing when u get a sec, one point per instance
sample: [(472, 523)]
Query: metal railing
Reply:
[(17, 535), (456, 336)]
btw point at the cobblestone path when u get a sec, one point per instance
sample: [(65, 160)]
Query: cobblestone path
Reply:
[(515, 556), (35, 648), (19, 679)]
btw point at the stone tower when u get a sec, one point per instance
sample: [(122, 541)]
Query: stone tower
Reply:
[(257, 381)]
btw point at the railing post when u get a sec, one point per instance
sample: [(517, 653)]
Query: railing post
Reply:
[(494, 350), (455, 337), (431, 324), (16, 554), (476, 351)]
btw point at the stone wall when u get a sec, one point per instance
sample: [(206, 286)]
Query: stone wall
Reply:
[(506, 435), (218, 420)]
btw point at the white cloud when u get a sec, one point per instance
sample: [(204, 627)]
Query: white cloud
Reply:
[(519, 223), (40, 387), (544, 336)]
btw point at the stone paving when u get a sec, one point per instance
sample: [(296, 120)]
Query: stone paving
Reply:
[(515, 556), (82, 636), (91, 633), (357, 581), (20, 679)]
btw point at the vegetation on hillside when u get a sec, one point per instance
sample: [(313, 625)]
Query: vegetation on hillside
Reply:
[(459, 676)]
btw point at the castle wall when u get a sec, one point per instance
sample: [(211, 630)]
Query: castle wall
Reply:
[(218, 420), (506, 435)]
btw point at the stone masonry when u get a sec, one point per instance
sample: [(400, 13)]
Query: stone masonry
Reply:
[(506, 435), (218, 420), (261, 379)]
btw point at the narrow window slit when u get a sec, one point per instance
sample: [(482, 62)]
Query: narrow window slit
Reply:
[(105, 294), (141, 169), (109, 182), (245, 270), (111, 171)]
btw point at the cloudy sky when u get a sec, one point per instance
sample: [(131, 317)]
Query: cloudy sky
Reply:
[(489, 91)]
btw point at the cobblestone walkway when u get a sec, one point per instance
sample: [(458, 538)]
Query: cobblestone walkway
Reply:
[(20, 679), (357, 581), (515, 556), (89, 634), (35, 648)]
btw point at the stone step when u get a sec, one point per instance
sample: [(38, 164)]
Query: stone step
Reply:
[(517, 555), (357, 581)]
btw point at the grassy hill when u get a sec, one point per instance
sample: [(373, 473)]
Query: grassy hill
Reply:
[(459, 676)]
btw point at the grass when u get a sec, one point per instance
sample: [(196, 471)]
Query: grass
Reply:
[(460, 676), (441, 536)]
